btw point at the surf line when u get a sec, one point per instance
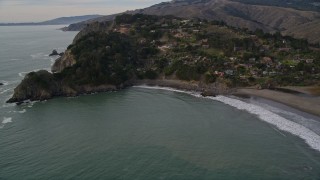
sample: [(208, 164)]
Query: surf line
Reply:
[(310, 137)]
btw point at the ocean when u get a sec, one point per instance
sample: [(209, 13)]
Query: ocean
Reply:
[(143, 132)]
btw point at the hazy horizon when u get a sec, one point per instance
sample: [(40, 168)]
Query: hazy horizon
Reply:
[(19, 11)]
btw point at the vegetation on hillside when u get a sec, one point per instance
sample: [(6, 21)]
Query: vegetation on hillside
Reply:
[(145, 46), (165, 47)]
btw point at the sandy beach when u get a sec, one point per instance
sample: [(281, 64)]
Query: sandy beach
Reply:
[(309, 104), (301, 98)]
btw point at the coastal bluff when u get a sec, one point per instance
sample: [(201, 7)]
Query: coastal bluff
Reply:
[(188, 54), (66, 60)]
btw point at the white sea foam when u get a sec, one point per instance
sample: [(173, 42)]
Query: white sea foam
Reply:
[(7, 105), (309, 123), (169, 89), (22, 74), (310, 137), (31, 103), (21, 112), (5, 90), (37, 55), (7, 120), (5, 83), (52, 59)]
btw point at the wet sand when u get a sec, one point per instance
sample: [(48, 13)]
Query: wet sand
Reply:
[(309, 104)]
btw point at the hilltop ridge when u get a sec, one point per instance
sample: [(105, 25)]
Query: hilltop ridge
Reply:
[(270, 16)]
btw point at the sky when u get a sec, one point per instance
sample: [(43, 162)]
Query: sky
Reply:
[(41, 10)]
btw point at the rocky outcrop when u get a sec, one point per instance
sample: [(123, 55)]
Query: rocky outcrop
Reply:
[(54, 53), (43, 85), (208, 93), (66, 60), (39, 85), (1, 84)]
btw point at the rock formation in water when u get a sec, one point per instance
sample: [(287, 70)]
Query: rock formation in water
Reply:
[(54, 53)]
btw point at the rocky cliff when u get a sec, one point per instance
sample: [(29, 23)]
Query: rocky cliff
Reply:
[(43, 85), (39, 85), (67, 60)]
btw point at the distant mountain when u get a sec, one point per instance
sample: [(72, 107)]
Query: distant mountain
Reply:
[(298, 18), (57, 21)]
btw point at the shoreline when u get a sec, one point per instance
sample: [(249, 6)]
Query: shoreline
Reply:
[(198, 86), (306, 104), (293, 126)]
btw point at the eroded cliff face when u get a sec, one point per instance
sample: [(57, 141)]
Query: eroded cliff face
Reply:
[(67, 60)]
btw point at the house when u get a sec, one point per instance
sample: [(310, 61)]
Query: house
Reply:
[(309, 61), (252, 60), (175, 21), (204, 40), (253, 37), (264, 48), (206, 46), (164, 25), (272, 73), (267, 60), (125, 25), (284, 49), (229, 72), (205, 43), (253, 72), (296, 57), (265, 73), (124, 28), (143, 41), (220, 74), (233, 58), (164, 47), (185, 21)]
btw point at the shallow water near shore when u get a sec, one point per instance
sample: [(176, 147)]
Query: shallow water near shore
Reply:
[(142, 132), (149, 134)]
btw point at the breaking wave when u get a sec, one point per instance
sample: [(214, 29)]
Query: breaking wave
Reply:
[(310, 137)]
